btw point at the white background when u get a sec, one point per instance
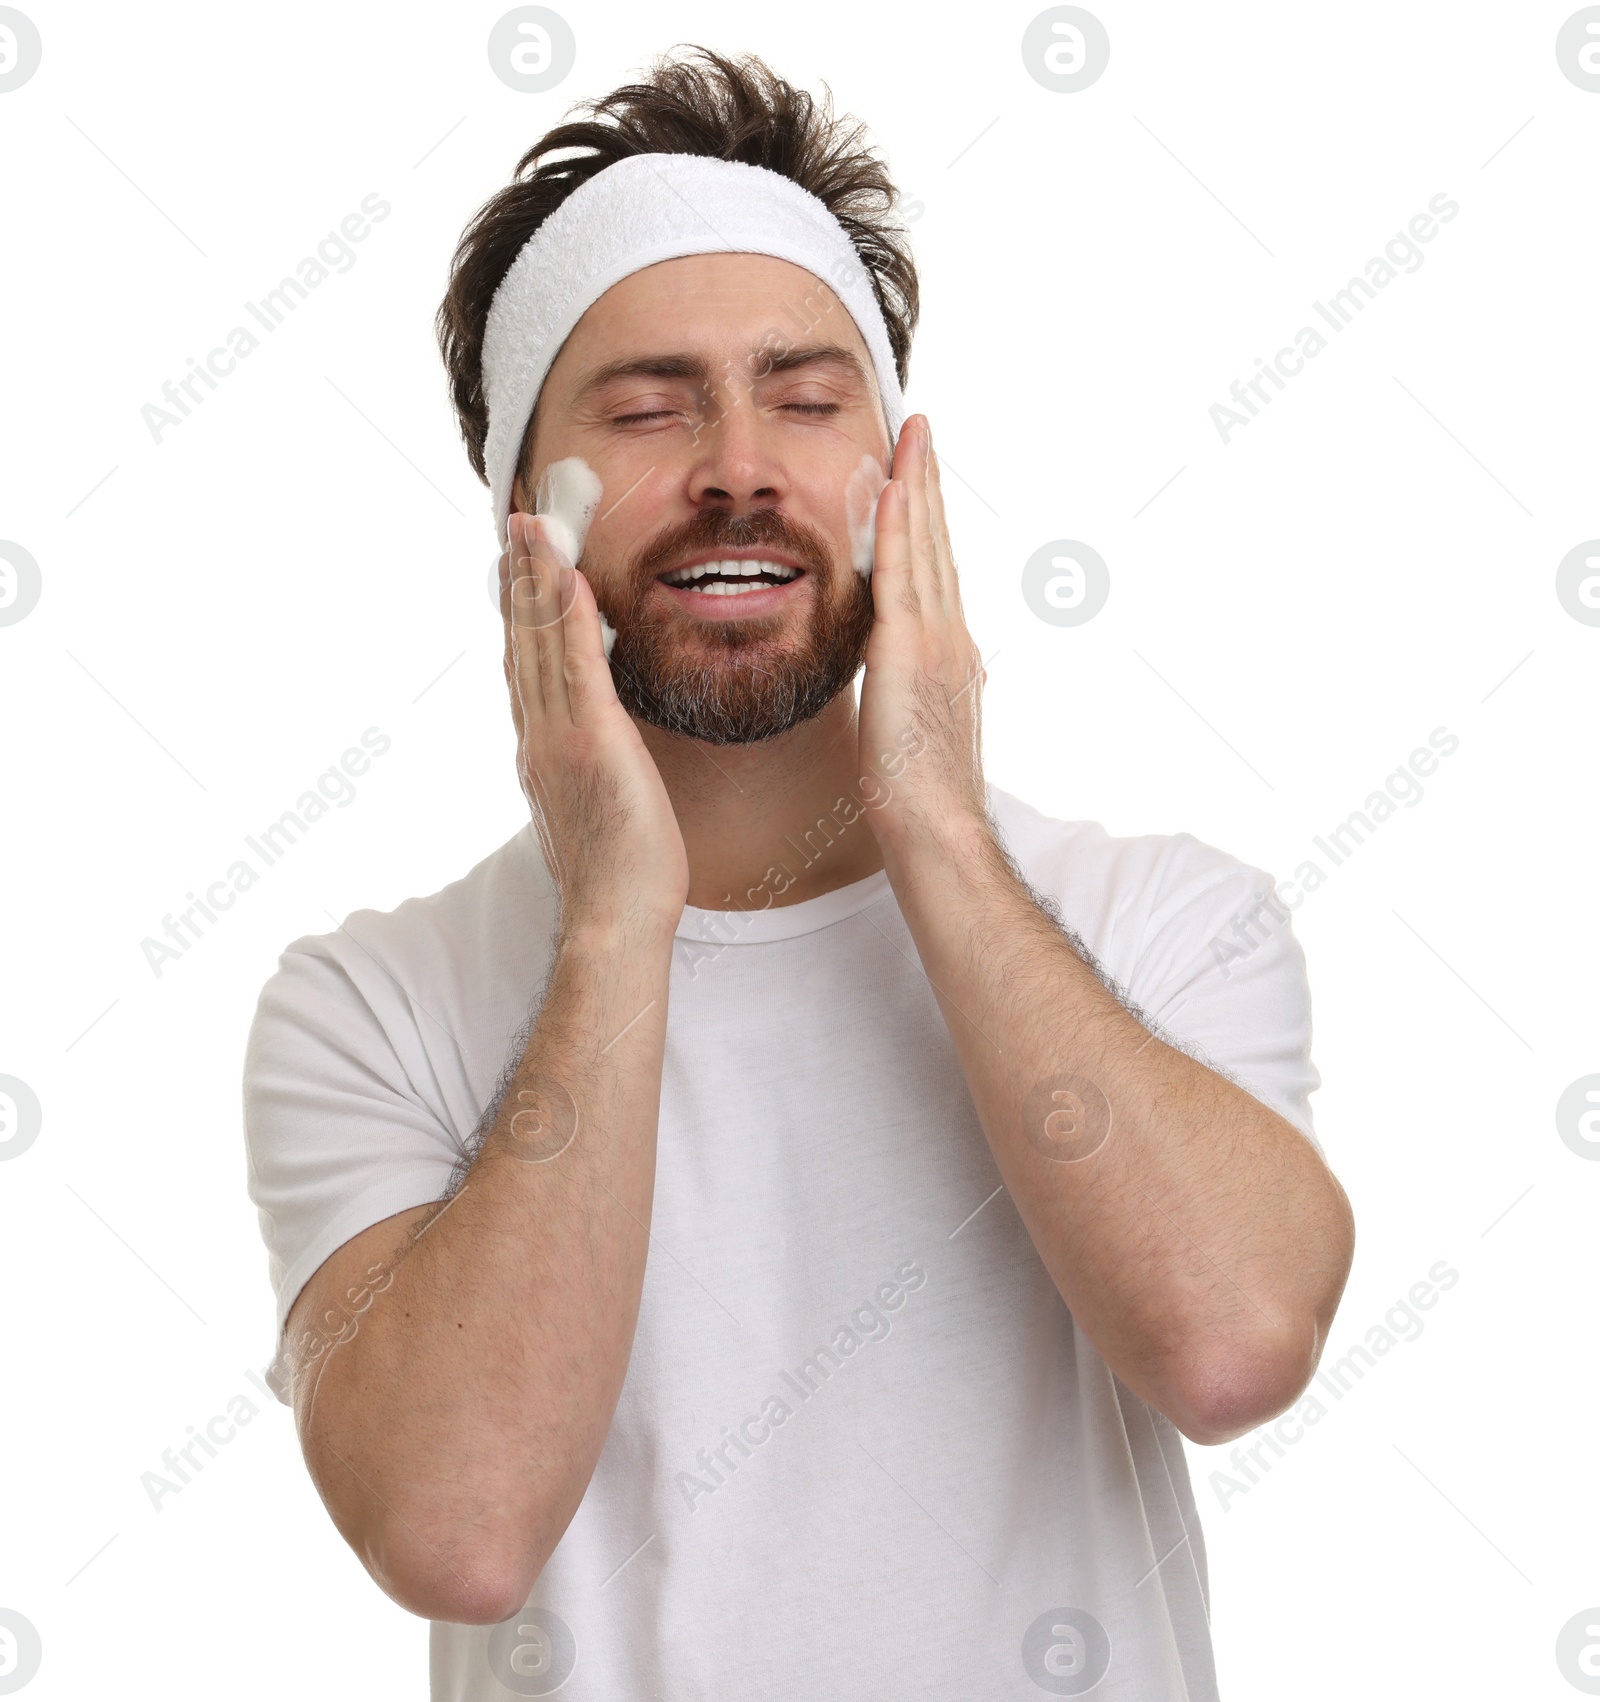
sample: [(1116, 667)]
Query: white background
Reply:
[(306, 557)]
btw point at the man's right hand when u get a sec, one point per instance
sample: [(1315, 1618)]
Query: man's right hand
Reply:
[(604, 819), (464, 1360)]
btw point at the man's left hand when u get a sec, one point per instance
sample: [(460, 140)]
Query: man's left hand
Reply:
[(920, 719)]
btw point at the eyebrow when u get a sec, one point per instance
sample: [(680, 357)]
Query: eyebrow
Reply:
[(776, 359)]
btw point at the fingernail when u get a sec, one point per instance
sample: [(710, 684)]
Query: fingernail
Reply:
[(564, 578)]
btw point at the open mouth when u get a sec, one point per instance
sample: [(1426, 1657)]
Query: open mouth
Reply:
[(733, 576)]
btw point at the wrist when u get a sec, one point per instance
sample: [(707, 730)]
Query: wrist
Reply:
[(628, 928), (941, 836)]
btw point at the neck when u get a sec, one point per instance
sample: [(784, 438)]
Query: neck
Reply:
[(778, 814)]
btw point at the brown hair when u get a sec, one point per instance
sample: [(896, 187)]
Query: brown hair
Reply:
[(704, 103)]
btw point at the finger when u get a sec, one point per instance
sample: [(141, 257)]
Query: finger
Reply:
[(537, 624), (924, 561), (894, 593), (894, 527), (550, 636), (588, 673), (522, 609), (948, 578), (507, 661), (522, 676), (905, 450)]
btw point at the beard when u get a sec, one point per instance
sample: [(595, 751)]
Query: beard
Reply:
[(736, 682)]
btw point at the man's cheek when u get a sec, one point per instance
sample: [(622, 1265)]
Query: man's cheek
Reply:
[(634, 513)]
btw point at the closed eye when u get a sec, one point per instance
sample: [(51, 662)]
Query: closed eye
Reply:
[(664, 413)]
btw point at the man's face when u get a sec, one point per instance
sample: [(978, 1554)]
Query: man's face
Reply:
[(728, 405)]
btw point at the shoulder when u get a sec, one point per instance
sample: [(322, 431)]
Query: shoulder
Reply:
[(507, 896), (420, 1001), (375, 1047), (1120, 891), (1198, 942)]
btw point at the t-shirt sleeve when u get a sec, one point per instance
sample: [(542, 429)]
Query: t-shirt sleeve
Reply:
[(1220, 973), (344, 1123)]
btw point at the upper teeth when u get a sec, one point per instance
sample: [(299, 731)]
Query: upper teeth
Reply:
[(742, 569)]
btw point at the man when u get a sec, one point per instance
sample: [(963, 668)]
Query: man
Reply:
[(807, 1298)]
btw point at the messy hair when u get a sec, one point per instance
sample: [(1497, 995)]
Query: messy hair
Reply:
[(701, 103)]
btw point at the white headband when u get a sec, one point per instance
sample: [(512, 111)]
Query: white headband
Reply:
[(643, 209)]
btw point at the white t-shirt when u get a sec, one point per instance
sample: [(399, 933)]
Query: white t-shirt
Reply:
[(862, 1449)]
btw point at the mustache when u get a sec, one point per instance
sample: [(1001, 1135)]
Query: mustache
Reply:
[(713, 529)]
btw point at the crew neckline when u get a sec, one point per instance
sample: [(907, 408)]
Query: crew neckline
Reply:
[(781, 921)]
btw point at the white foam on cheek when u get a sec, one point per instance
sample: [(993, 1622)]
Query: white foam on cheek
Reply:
[(567, 494), (861, 510)]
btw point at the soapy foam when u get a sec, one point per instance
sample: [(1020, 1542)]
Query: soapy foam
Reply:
[(567, 495), (861, 508)]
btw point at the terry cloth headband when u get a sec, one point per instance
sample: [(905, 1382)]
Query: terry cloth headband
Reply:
[(643, 209)]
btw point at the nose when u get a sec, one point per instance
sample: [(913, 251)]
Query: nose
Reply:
[(734, 462)]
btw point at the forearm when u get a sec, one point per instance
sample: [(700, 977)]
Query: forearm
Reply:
[(1198, 1239), (454, 1434)]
